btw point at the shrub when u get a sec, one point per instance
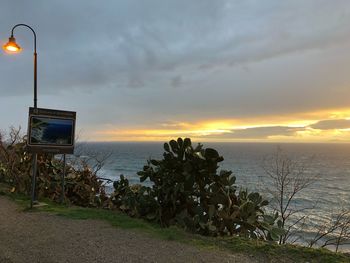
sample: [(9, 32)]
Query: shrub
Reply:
[(82, 185), (187, 190), (135, 200)]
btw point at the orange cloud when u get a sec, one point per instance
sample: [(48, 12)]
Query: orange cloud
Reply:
[(299, 127)]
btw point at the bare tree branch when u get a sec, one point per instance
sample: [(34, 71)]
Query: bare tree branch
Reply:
[(287, 178), (334, 233)]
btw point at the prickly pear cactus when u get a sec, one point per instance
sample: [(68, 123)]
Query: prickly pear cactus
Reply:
[(82, 186), (191, 192)]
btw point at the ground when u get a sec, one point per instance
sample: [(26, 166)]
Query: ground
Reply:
[(44, 237)]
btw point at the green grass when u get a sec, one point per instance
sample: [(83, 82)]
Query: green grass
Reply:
[(257, 249)]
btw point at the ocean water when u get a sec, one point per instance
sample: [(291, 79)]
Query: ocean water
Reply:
[(330, 163)]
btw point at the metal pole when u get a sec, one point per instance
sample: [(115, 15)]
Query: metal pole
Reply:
[(35, 80), (63, 176), (33, 179), (35, 156)]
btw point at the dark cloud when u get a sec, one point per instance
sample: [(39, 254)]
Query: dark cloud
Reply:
[(176, 82), (331, 124), (259, 132), (117, 61)]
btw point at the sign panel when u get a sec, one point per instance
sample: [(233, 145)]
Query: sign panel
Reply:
[(51, 131)]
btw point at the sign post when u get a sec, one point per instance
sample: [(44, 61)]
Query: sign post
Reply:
[(50, 131), (63, 176), (35, 165)]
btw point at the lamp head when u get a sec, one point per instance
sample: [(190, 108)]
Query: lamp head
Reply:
[(12, 46)]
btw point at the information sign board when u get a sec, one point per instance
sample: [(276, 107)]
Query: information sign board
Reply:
[(51, 131)]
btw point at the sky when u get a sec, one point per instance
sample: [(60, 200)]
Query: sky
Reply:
[(153, 70)]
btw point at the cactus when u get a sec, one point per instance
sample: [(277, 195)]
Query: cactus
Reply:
[(82, 186), (189, 191), (135, 200)]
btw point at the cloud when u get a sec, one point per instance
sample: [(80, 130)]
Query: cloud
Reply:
[(331, 124), (176, 82), (259, 132), (131, 43), (125, 62)]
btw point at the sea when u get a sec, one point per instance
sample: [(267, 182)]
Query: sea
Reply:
[(327, 164)]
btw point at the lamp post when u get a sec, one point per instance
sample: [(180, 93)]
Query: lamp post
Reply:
[(12, 47)]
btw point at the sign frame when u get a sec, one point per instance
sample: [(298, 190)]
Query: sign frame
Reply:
[(50, 147)]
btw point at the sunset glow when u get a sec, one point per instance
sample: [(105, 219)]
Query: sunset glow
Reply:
[(292, 128), (263, 72)]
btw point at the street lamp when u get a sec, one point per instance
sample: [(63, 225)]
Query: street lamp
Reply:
[(12, 47)]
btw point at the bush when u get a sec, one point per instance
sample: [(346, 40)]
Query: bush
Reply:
[(135, 200), (187, 190), (82, 185)]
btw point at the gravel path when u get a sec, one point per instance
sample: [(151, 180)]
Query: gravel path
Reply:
[(43, 237)]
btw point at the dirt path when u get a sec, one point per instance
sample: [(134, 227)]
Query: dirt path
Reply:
[(42, 237)]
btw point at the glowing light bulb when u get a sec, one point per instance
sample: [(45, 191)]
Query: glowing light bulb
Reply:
[(12, 46)]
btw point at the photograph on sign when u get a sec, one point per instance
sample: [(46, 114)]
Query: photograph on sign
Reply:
[(51, 131)]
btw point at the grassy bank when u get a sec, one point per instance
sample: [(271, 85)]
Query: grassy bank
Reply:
[(257, 249)]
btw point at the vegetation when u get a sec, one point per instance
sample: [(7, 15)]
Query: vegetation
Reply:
[(286, 178), (335, 232), (82, 184), (263, 250), (187, 192)]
